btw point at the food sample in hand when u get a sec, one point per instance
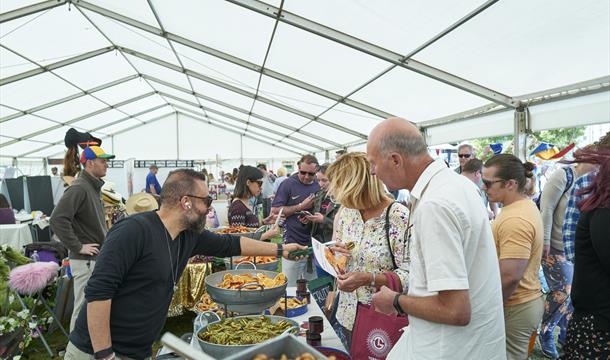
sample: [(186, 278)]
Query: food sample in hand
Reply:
[(236, 282), (243, 331), (337, 261), (236, 230)]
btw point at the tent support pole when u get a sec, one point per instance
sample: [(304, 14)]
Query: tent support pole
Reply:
[(241, 149), (521, 129), (177, 138)]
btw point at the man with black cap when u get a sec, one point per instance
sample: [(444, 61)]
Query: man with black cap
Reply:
[(79, 220)]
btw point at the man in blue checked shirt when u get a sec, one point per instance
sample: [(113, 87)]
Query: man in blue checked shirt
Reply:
[(573, 213)]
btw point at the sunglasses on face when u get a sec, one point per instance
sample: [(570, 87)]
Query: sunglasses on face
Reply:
[(304, 173), (207, 200), (465, 156), (489, 183)]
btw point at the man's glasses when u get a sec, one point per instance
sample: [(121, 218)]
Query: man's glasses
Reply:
[(207, 200), (307, 173), (464, 156), (489, 183)]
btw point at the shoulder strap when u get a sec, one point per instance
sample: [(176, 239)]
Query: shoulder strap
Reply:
[(569, 177), (387, 233)]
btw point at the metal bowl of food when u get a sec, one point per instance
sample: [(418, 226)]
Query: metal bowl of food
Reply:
[(246, 291), (222, 338)]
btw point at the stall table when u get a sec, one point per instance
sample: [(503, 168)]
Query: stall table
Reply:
[(15, 235)]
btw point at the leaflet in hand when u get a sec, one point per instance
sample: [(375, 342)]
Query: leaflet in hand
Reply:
[(331, 263)]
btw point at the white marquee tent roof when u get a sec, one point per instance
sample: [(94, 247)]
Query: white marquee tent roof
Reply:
[(186, 79)]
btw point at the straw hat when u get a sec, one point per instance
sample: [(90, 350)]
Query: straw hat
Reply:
[(110, 195), (141, 202)]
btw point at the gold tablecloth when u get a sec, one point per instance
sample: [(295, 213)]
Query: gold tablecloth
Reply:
[(191, 288)]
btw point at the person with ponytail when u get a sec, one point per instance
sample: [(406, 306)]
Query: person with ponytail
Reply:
[(518, 234), (588, 335)]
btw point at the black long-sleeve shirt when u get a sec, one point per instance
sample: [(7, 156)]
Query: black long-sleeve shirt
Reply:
[(591, 283), (133, 270)]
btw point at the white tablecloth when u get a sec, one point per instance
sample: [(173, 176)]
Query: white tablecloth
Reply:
[(15, 236)]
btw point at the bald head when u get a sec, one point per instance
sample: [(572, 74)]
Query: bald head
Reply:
[(398, 135)]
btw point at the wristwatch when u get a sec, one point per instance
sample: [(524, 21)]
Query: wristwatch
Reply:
[(397, 305), (280, 251)]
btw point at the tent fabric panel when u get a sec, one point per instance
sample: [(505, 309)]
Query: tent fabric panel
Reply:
[(329, 133), (492, 125), (11, 64), (155, 113), (126, 90), (35, 90), (293, 96), (329, 65), (121, 126), (56, 23), (201, 141), (220, 25), (98, 120), (72, 109), (216, 68), (130, 37), (280, 115), (56, 151), (394, 25), (415, 96), (298, 137), (145, 141), (585, 110), (52, 136), (222, 94), (97, 70), (553, 43), (24, 125), (19, 148), (351, 118), (142, 104)]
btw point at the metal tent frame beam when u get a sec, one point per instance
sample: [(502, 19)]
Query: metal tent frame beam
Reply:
[(240, 91), (82, 117), (377, 51), (69, 98), (106, 125), (232, 59), (235, 108), (31, 9), (56, 65)]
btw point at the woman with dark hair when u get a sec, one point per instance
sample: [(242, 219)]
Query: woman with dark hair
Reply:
[(588, 334), (518, 233), (242, 212), (7, 216)]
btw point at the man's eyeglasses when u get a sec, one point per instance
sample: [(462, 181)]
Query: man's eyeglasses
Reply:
[(489, 183), (207, 200), (307, 173), (464, 156)]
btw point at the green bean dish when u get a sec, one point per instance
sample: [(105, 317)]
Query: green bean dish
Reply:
[(243, 331)]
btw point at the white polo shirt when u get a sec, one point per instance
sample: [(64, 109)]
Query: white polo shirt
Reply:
[(452, 248)]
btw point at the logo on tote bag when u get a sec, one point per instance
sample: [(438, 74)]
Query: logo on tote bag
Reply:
[(379, 342)]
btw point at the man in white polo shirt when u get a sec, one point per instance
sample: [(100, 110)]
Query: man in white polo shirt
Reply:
[(454, 301)]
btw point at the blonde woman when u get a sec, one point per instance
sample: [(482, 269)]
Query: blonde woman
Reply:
[(362, 220)]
